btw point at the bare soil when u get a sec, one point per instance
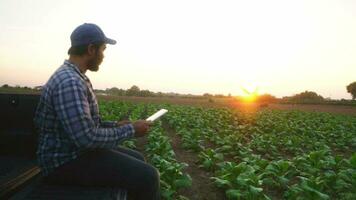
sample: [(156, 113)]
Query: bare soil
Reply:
[(202, 187), (232, 103), (336, 109)]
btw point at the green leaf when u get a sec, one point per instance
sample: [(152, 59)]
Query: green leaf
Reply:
[(255, 190), (207, 164), (283, 181), (183, 182), (167, 193), (315, 191), (269, 182), (221, 182), (233, 194), (353, 160)]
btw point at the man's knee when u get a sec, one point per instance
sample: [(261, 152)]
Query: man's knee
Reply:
[(132, 153), (148, 185), (139, 156), (151, 176)]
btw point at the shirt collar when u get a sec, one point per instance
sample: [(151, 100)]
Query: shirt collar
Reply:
[(76, 68)]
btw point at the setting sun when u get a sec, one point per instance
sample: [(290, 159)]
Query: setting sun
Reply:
[(249, 96)]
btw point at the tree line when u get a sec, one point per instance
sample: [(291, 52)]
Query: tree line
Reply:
[(303, 97)]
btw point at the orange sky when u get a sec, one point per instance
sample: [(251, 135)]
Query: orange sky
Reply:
[(282, 47)]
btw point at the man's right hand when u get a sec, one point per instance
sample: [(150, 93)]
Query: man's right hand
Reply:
[(141, 127)]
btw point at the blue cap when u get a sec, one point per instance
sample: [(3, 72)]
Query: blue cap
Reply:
[(89, 34)]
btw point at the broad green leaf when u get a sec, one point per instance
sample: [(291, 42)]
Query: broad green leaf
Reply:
[(233, 194), (255, 190), (353, 160), (183, 182)]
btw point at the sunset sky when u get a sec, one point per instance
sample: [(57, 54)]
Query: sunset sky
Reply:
[(283, 47)]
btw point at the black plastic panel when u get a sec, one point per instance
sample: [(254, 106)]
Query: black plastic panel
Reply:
[(17, 132)]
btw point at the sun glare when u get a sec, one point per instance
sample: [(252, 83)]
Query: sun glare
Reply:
[(249, 96)]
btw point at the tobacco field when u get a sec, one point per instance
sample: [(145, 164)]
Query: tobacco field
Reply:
[(268, 154)]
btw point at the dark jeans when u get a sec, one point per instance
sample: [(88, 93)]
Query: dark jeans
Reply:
[(119, 167)]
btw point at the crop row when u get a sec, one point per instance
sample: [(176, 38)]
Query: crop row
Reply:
[(267, 154), (272, 154), (158, 149)]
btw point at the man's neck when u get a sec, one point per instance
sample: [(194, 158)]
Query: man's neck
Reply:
[(79, 62)]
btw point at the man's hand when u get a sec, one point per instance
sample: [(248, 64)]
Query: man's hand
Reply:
[(141, 127), (123, 122)]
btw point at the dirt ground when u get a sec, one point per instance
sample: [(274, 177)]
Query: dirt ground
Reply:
[(202, 187), (231, 103), (337, 109)]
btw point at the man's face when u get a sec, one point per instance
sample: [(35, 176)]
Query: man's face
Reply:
[(96, 59)]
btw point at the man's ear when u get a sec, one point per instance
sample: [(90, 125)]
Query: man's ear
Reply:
[(91, 50)]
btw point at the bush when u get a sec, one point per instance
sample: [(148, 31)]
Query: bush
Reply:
[(304, 97)]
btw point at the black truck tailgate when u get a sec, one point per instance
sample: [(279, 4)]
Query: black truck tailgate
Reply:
[(19, 174)]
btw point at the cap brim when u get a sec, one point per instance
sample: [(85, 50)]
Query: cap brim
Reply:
[(110, 41)]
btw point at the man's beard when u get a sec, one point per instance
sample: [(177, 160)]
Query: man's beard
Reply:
[(94, 68), (94, 63)]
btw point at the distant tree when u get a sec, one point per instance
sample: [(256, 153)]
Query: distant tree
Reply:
[(207, 95), (133, 91), (99, 91), (5, 86), (266, 98), (146, 93), (351, 88), (115, 91), (306, 97), (111, 90), (219, 95)]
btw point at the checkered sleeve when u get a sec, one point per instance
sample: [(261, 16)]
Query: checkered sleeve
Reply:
[(73, 110), (108, 124)]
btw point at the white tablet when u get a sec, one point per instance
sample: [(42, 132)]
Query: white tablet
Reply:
[(157, 115)]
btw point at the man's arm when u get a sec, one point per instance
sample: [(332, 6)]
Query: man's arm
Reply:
[(73, 110), (108, 124), (111, 124)]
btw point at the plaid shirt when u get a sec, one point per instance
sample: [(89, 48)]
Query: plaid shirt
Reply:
[(68, 120)]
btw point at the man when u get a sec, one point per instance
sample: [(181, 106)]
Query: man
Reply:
[(75, 146)]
